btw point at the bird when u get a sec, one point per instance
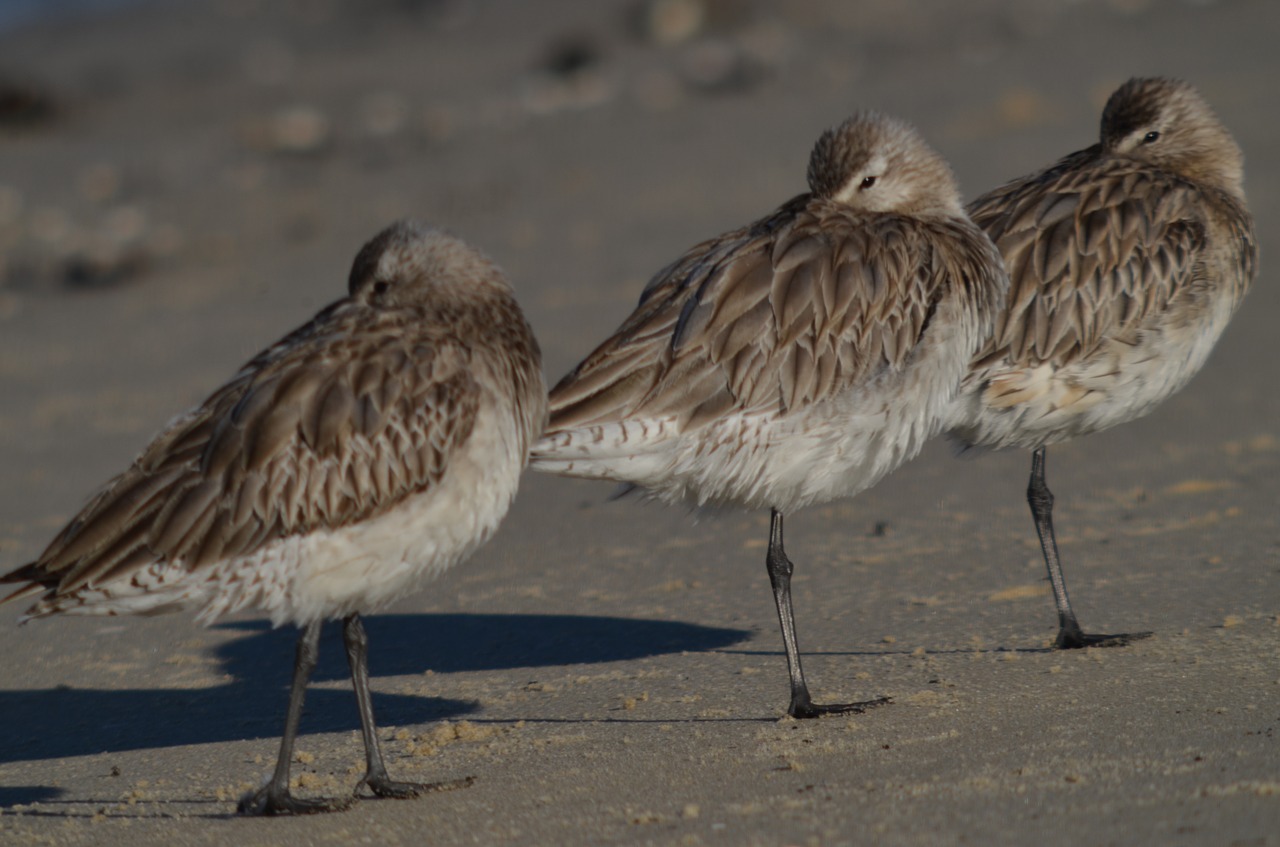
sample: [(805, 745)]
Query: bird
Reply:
[(368, 450), (797, 359), (1126, 261)]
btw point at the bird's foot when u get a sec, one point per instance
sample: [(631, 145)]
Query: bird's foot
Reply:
[(1075, 639), (384, 786), (269, 801), (804, 708)]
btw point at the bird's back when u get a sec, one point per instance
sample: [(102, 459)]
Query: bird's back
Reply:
[(1122, 278)]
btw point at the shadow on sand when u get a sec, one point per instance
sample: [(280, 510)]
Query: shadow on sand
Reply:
[(67, 721)]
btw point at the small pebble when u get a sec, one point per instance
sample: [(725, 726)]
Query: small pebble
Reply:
[(296, 130), (669, 22)]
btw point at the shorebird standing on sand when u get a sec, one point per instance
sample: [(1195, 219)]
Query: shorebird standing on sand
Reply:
[(1126, 261), (797, 359), (366, 451)]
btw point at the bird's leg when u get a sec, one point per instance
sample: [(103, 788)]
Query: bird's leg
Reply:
[(1070, 636), (274, 797), (780, 569), (376, 777)]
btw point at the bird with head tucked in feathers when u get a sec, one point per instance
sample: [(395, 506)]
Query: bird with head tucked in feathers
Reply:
[(368, 450), (797, 359), (1126, 261)]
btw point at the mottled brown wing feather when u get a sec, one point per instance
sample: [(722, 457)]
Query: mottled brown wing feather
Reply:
[(1090, 255), (771, 317), (310, 433)]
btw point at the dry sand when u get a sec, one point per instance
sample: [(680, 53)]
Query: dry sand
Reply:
[(183, 184)]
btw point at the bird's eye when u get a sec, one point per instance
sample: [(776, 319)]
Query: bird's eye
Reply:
[(381, 287), (1150, 137), (867, 182)]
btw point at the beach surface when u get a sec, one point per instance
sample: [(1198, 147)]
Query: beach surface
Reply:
[(183, 183)]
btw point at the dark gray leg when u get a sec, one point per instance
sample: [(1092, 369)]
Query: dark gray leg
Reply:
[(1070, 636), (274, 798), (780, 570), (379, 782)]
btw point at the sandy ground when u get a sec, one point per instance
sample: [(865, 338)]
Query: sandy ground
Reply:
[(181, 185)]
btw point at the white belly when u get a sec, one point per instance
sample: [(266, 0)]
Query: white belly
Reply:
[(833, 448), (1012, 406)]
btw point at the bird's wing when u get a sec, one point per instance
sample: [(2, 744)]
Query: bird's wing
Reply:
[(769, 318), (336, 423), (1093, 251)]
